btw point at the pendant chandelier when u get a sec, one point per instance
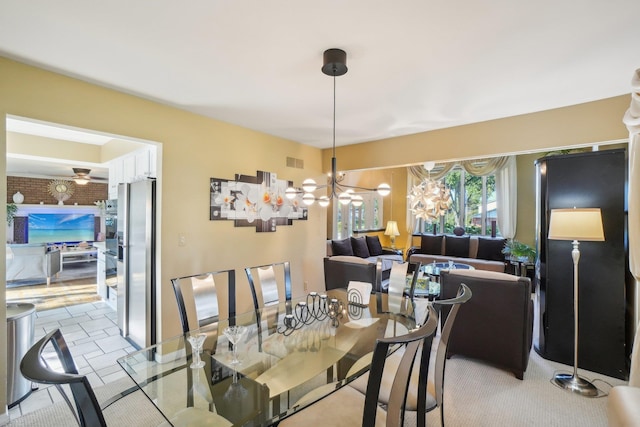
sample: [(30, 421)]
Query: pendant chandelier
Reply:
[(335, 64), (430, 199)]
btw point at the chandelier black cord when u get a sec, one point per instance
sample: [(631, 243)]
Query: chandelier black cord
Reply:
[(335, 64)]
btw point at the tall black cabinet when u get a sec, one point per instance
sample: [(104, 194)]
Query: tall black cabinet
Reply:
[(585, 180)]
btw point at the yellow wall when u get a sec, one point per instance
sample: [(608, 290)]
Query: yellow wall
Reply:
[(397, 178), (529, 136), (194, 149), (526, 222), (32, 145), (578, 125), (117, 148), (40, 146)]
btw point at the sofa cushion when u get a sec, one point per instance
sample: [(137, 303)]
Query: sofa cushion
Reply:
[(456, 246), (359, 246), (374, 245), (430, 244), (341, 247), (491, 249), (350, 258)]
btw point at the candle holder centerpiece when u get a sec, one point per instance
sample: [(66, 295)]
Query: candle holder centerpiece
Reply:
[(316, 308)]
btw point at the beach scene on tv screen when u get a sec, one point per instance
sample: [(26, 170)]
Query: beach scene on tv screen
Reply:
[(49, 228)]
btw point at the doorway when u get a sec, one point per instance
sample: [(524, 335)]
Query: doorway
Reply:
[(34, 159)]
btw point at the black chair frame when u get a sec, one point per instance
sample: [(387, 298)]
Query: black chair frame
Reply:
[(87, 410), (182, 309), (412, 342)]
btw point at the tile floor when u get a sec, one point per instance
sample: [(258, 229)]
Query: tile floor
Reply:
[(94, 340)]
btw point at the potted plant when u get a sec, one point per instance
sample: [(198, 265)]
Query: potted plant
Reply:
[(12, 209), (519, 251)]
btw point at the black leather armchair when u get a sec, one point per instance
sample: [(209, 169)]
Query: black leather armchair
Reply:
[(338, 272), (496, 325)]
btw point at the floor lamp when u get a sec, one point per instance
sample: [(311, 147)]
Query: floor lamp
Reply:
[(576, 224)]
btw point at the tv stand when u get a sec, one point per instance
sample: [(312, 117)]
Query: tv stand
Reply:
[(75, 255)]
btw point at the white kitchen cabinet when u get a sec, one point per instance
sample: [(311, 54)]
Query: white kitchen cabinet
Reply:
[(102, 272), (132, 167)]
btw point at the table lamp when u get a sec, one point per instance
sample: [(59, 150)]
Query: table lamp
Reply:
[(576, 224), (392, 230)]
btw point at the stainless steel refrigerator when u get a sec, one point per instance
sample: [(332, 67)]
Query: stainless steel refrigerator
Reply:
[(136, 262)]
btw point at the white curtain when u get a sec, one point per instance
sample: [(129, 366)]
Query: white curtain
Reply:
[(507, 198), (632, 121), (504, 168)]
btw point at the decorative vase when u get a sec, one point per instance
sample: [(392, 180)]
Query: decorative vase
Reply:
[(18, 198)]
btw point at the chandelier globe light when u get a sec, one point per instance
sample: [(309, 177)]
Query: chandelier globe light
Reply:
[(430, 199), (334, 65)]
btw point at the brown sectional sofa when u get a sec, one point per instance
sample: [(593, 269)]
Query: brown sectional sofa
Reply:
[(480, 252), (355, 259), (496, 324)]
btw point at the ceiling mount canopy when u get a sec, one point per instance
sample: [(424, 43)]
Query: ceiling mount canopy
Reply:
[(334, 65), (335, 62)]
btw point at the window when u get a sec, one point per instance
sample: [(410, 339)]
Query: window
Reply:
[(474, 203), (349, 218)]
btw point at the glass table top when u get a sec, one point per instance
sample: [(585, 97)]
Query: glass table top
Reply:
[(428, 280), (287, 351)]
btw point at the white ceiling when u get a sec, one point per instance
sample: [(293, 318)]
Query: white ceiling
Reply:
[(414, 65)]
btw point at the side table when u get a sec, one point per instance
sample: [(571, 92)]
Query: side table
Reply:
[(394, 250), (522, 268)]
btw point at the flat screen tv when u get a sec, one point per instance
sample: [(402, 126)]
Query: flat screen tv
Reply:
[(52, 228)]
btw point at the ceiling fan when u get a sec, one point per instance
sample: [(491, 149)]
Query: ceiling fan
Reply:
[(82, 176)]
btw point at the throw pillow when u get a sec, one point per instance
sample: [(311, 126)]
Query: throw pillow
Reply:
[(491, 249), (456, 246), (374, 245), (359, 246), (431, 245), (341, 247), (458, 231)]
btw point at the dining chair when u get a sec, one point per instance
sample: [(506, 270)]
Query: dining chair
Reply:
[(198, 297), (349, 407), (421, 398), (37, 365), (269, 284), (396, 287), (264, 285)]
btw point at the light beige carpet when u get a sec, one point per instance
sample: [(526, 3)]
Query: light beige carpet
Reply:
[(477, 394)]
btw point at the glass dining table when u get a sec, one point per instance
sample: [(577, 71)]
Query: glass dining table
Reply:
[(289, 351)]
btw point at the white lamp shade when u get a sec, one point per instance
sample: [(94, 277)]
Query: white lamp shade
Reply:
[(392, 229), (357, 200), (384, 189), (583, 224), (309, 185), (344, 198), (291, 193), (81, 180)]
